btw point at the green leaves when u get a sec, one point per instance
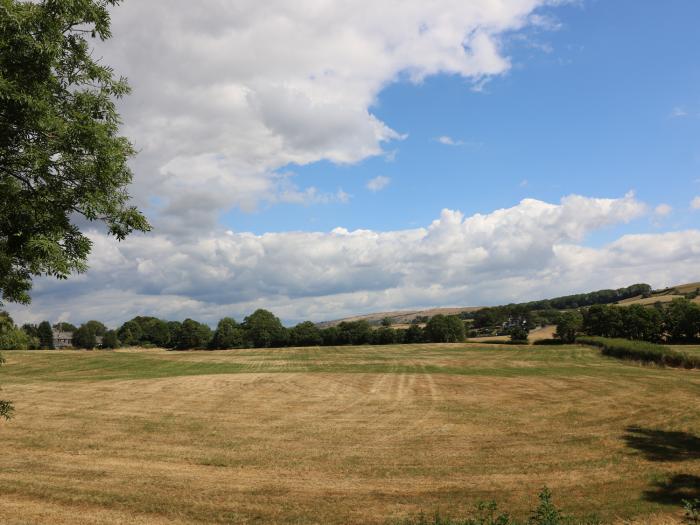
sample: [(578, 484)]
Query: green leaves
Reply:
[(60, 151)]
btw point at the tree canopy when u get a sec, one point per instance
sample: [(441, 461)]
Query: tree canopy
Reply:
[(61, 155)]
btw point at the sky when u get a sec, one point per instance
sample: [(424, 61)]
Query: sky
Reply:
[(322, 159)]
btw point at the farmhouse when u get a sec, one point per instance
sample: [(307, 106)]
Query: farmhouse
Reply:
[(62, 339)]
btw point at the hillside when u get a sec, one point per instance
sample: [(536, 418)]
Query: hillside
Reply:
[(404, 317), (666, 295), (400, 317)]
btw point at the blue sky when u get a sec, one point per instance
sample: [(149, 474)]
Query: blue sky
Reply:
[(587, 108), (527, 149)]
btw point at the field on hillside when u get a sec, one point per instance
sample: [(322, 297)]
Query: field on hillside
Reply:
[(342, 435)]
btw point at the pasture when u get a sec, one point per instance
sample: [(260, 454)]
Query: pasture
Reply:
[(343, 434)]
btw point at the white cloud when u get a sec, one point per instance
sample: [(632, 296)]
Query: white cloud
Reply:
[(378, 183), (531, 250), (225, 94), (662, 210), (449, 141), (695, 203)]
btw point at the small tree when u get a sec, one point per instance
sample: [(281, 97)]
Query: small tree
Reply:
[(45, 334), (569, 325), (519, 334)]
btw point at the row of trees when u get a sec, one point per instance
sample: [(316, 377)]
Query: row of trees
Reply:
[(548, 311), (261, 329), (678, 321)]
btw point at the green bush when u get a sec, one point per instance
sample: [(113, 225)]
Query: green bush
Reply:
[(546, 342), (642, 351)]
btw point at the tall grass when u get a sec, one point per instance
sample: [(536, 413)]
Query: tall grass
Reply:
[(642, 351)]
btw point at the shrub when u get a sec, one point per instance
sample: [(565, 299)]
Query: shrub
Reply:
[(546, 342), (692, 511), (546, 513), (519, 334), (642, 351)]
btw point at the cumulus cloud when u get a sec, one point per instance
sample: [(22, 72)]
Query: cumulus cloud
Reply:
[(226, 94), (695, 203), (378, 183), (532, 250)]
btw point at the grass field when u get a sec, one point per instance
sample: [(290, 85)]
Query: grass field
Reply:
[(342, 435)]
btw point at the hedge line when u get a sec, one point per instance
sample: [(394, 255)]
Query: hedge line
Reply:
[(642, 351)]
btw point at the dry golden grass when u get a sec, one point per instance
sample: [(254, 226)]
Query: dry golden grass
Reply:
[(339, 435), (543, 332)]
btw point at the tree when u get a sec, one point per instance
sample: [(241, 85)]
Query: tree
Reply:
[(110, 340), (682, 320), (569, 325), (641, 323), (12, 337), (130, 333), (192, 335), (519, 334), (85, 337), (228, 334), (330, 336), (264, 330), (65, 327), (60, 150), (154, 331), (305, 334), (414, 334), (386, 321), (31, 330), (354, 332), (45, 335), (445, 329)]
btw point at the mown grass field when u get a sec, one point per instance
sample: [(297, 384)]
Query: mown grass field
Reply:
[(342, 435)]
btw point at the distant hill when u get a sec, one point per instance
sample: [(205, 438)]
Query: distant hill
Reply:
[(400, 317), (621, 296), (666, 295)]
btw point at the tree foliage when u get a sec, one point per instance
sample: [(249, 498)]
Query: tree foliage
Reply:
[(60, 149), (445, 329), (192, 335), (264, 330), (568, 326), (45, 335), (228, 334)]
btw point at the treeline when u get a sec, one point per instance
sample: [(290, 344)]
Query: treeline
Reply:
[(261, 329), (674, 322), (547, 311)]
